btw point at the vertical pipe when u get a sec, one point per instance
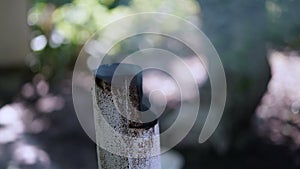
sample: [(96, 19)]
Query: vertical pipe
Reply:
[(117, 114)]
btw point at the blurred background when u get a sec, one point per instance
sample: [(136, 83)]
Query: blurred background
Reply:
[(258, 42)]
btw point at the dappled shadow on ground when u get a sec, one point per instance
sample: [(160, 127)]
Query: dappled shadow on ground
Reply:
[(40, 130)]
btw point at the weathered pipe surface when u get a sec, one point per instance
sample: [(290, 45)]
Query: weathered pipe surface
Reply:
[(128, 95)]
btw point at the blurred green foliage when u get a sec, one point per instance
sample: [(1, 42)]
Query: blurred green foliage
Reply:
[(65, 26)]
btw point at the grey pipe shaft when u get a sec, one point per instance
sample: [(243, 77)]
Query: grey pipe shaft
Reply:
[(136, 154)]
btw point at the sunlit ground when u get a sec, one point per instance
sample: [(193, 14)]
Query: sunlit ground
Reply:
[(278, 117)]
